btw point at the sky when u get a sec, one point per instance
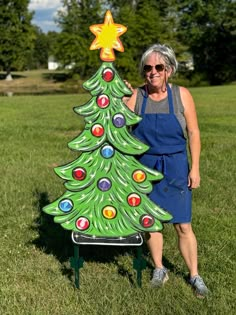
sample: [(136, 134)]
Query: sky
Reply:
[(45, 12)]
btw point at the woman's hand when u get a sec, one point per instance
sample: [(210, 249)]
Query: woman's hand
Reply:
[(130, 100), (194, 179), (129, 86)]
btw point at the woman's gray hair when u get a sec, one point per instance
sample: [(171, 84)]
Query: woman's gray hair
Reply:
[(166, 52)]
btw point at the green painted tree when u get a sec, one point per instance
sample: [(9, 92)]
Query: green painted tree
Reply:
[(106, 186)]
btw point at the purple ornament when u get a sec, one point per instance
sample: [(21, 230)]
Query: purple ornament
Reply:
[(118, 120), (104, 184)]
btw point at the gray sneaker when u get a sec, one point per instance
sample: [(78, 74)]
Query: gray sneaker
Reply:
[(199, 286), (159, 277)]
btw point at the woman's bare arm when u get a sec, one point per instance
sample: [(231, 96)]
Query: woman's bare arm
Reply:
[(193, 135)]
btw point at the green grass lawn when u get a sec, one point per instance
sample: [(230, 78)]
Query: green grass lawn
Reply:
[(35, 274)]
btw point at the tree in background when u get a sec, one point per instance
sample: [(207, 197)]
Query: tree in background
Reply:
[(44, 47), (74, 21), (209, 29), (38, 57), (17, 35)]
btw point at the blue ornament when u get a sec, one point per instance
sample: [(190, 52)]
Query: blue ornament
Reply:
[(107, 151), (65, 205), (118, 120), (104, 184)]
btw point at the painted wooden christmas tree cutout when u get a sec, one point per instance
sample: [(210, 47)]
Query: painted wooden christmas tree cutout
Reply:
[(106, 200)]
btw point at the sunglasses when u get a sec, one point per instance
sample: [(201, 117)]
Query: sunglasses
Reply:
[(148, 68)]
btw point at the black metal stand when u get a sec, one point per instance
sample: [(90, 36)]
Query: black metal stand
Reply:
[(76, 262), (139, 264)]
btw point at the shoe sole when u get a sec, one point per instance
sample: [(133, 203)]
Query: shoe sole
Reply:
[(201, 296), (157, 284)]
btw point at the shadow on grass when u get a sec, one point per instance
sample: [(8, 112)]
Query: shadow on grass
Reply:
[(54, 240), (56, 77)]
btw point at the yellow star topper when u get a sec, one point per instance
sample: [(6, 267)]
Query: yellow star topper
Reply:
[(107, 37)]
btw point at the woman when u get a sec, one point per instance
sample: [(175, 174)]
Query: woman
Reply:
[(168, 117)]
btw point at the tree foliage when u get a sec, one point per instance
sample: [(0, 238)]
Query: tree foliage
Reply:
[(75, 37), (38, 58), (209, 29), (17, 34)]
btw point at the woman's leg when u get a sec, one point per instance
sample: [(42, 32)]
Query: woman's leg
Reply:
[(188, 249), (188, 246), (155, 245)]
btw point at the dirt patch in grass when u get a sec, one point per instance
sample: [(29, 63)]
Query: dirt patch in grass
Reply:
[(38, 82)]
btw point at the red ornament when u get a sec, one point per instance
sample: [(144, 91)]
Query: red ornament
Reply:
[(82, 223), (134, 200), (108, 75), (97, 130), (79, 173), (103, 101), (147, 221)]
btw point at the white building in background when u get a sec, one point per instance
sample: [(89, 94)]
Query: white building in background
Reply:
[(52, 63)]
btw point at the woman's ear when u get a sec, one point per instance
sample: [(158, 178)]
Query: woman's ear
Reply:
[(168, 71)]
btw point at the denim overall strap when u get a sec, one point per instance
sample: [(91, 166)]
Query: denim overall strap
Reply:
[(144, 104), (170, 99)]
